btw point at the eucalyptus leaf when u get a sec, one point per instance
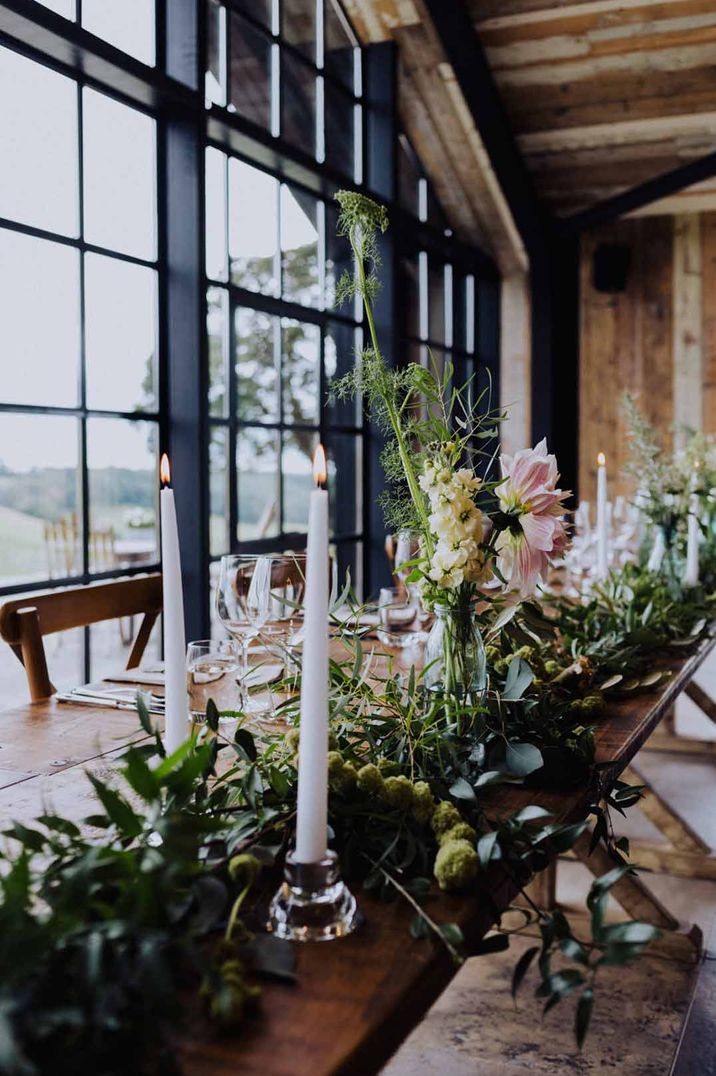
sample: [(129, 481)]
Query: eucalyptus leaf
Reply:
[(518, 679), (522, 759), (522, 967), (462, 790)]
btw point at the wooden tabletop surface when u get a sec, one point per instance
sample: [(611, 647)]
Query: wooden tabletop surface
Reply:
[(356, 999)]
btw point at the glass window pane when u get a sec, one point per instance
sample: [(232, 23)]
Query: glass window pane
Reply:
[(298, 103), (459, 313), (339, 260), (258, 482), (260, 11), (119, 176), (299, 246), (215, 214), (256, 366), (62, 7), (65, 654), (253, 228), (408, 177), (217, 329), (39, 321), (250, 71), (13, 682), (341, 348), (38, 135), (436, 302), (339, 121), (123, 489), (344, 481), (40, 508), (111, 643), (126, 24), (298, 25), (218, 491), (297, 466), (409, 271), (120, 335), (339, 44), (215, 78), (349, 559), (301, 367)]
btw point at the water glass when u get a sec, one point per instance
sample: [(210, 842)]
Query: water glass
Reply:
[(212, 671), (397, 611)]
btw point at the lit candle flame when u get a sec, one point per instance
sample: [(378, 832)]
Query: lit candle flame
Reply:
[(164, 472), (601, 460), (319, 466)]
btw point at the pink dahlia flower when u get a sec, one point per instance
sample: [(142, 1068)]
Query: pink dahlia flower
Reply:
[(534, 529)]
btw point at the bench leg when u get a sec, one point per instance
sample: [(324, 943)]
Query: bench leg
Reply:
[(667, 739)]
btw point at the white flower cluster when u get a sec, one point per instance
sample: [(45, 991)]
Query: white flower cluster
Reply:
[(457, 524)]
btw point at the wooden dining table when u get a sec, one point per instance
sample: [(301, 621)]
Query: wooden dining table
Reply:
[(355, 999)]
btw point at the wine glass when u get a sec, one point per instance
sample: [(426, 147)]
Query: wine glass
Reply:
[(261, 593), (407, 550)]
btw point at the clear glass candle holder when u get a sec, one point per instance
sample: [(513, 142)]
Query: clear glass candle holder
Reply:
[(312, 903)]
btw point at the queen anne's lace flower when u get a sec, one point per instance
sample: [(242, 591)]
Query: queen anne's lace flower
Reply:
[(530, 497)]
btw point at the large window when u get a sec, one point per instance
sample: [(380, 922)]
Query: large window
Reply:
[(276, 335), (79, 395), (168, 272)]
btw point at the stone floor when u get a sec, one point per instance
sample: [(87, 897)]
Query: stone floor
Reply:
[(475, 1029)]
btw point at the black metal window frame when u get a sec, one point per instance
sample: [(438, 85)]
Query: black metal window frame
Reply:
[(324, 319), (173, 93)]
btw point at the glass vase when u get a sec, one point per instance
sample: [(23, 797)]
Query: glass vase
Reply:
[(667, 557), (455, 660)]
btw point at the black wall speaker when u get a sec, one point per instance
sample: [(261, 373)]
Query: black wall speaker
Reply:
[(610, 267)]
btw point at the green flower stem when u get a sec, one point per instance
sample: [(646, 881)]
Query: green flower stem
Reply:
[(415, 492)]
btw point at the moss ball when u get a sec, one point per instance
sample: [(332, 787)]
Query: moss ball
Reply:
[(445, 816), (370, 780), (456, 865), (398, 793), (423, 802), (335, 764), (349, 777), (463, 831)]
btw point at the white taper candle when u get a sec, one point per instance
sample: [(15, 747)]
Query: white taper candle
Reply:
[(602, 518), (312, 816), (691, 571), (176, 710)]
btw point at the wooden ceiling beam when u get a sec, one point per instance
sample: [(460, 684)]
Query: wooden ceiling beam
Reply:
[(644, 195), (606, 19), (624, 96), (700, 128), (535, 11)]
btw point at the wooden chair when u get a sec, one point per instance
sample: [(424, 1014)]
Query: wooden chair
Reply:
[(25, 621)]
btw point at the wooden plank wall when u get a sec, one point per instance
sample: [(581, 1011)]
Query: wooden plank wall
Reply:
[(656, 339)]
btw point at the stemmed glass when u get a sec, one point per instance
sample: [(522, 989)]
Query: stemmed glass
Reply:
[(260, 593), (407, 550)]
